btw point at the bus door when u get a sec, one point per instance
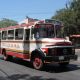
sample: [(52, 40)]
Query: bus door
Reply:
[(27, 42)]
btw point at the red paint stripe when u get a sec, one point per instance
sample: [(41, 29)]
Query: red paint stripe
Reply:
[(19, 55)]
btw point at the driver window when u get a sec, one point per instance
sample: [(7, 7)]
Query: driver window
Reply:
[(27, 34)]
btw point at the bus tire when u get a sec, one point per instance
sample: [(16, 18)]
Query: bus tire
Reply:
[(6, 57), (37, 63)]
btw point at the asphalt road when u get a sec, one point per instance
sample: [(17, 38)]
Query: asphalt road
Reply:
[(22, 70)]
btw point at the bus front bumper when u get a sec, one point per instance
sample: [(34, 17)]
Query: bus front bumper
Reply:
[(61, 58)]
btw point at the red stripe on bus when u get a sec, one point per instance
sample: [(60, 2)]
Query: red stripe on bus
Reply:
[(19, 55)]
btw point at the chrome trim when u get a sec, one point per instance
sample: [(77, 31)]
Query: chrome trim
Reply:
[(61, 47)]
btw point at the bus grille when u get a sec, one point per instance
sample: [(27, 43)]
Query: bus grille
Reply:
[(59, 51)]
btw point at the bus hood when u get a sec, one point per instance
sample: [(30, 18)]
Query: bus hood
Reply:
[(56, 42)]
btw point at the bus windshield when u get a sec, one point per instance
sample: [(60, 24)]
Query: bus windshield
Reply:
[(59, 31), (48, 31), (44, 31)]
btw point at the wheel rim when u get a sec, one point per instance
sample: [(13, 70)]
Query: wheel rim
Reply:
[(37, 63), (5, 56)]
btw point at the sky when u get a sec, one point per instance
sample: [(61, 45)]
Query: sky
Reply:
[(39, 9)]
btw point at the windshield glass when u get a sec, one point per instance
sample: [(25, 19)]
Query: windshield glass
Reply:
[(59, 31), (44, 31)]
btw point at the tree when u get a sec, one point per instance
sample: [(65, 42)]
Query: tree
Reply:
[(65, 15), (7, 22), (70, 16), (75, 7)]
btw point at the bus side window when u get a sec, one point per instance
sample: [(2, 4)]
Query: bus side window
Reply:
[(11, 34), (27, 34), (0, 35), (4, 35), (19, 34)]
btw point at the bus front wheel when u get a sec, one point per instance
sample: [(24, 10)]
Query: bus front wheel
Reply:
[(37, 63), (6, 57)]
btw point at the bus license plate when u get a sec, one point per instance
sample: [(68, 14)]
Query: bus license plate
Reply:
[(61, 58)]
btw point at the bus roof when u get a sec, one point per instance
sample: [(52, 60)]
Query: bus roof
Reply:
[(17, 26), (28, 25)]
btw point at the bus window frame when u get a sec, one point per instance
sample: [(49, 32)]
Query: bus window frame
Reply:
[(32, 32), (28, 32), (16, 38), (2, 35), (13, 34)]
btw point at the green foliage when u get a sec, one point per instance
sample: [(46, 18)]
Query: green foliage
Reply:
[(7, 22), (70, 16)]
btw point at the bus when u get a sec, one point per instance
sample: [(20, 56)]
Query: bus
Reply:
[(39, 42)]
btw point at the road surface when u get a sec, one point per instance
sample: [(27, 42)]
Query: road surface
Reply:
[(22, 70)]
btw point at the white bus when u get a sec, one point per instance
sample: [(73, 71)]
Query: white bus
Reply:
[(37, 42)]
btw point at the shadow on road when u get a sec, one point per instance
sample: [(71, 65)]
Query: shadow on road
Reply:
[(25, 77), (59, 69), (51, 68)]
